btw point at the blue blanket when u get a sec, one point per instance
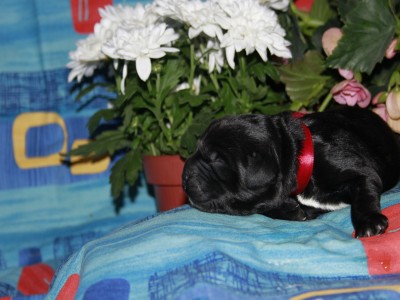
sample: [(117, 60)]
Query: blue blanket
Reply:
[(188, 254)]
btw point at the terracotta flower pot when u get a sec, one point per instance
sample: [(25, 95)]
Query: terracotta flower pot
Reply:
[(164, 172)]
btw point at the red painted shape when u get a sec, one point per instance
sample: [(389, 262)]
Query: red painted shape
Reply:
[(68, 291), (6, 298), (383, 251), (85, 14), (35, 279), (304, 5)]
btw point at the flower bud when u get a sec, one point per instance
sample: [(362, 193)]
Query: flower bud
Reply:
[(330, 39), (393, 105), (391, 50)]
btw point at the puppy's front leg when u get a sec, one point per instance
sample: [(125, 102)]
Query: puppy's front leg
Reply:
[(365, 209)]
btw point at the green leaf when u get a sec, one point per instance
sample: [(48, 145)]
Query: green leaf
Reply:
[(107, 142), (95, 119), (132, 87), (185, 97), (272, 109), (127, 114), (303, 78), (90, 87), (125, 170), (369, 28), (228, 98), (173, 71), (195, 130), (133, 166), (260, 70), (117, 176)]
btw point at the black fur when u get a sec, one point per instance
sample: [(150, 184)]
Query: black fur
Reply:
[(247, 164)]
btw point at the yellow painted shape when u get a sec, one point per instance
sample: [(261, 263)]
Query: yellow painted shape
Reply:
[(21, 125), (82, 166), (395, 288)]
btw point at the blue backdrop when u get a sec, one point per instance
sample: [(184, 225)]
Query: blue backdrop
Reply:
[(47, 208)]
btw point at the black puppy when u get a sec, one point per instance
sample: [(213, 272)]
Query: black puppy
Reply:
[(250, 164)]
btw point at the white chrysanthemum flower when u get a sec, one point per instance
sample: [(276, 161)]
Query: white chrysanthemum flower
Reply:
[(199, 15), (215, 55), (195, 86), (141, 45), (251, 26), (169, 8), (89, 53), (86, 58), (128, 16), (276, 4)]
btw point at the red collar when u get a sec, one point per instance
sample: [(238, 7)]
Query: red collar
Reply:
[(305, 159)]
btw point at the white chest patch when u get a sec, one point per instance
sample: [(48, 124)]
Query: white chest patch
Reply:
[(314, 203)]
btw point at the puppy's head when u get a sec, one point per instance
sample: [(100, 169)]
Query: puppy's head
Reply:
[(236, 167)]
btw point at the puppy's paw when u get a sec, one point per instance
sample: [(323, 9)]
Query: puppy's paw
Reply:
[(370, 224), (296, 215)]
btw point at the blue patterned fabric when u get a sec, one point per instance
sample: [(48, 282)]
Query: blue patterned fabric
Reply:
[(49, 209), (188, 254)]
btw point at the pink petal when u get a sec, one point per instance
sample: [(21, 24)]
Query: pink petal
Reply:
[(346, 74), (339, 86), (339, 99), (381, 111), (330, 39), (351, 100)]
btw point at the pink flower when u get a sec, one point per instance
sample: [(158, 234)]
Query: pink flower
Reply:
[(391, 50), (351, 92)]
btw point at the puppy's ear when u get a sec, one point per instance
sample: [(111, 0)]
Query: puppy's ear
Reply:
[(262, 170)]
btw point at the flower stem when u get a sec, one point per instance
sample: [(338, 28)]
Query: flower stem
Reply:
[(325, 103), (243, 66), (153, 150), (214, 80), (192, 66), (158, 111)]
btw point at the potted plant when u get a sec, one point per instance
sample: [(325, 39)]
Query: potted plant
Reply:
[(177, 64), (174, 68)]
